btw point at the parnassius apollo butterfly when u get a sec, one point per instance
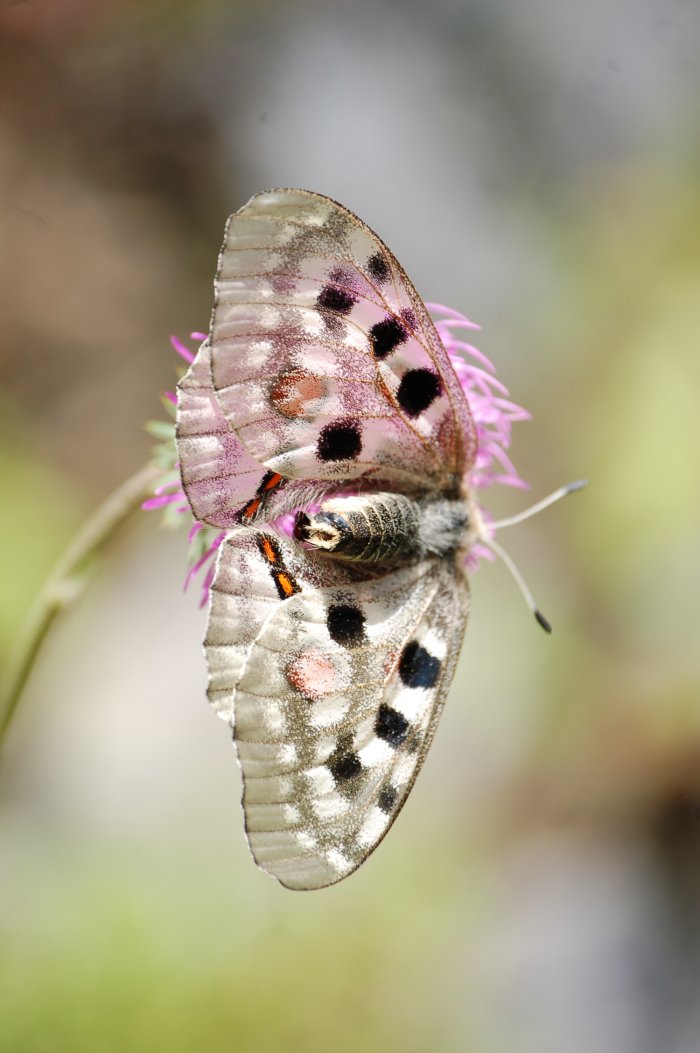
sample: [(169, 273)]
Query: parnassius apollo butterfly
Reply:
[(324, 390)]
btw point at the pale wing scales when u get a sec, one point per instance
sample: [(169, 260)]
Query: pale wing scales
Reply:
[(331, 723), (325, 361), (218, 474), (243, 597), (224, 484)]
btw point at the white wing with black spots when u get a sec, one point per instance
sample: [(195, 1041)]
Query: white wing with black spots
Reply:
[(325, 361), (334, 684), (324, 390)]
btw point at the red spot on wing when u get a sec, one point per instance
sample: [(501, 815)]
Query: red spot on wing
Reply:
[(298, 394), (313, 675)]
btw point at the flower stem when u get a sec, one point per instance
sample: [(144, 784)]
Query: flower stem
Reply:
[(65, 584)]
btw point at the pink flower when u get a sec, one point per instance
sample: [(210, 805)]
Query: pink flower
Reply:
[(493, 412), (211, 508), (169, 496)]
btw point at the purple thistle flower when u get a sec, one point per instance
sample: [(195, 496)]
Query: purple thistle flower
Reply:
[(493, 412), (169, 495)]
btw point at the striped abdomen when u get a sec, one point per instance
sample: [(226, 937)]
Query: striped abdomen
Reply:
[(383, 527)]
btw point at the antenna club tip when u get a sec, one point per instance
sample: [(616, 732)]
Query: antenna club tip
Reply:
[(542, 621), (578, 484)]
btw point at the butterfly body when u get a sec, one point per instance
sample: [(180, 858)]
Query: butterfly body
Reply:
[(384, 528), (324, 390)]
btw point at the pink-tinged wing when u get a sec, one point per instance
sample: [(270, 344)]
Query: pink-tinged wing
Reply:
[(219, 475), (325, 361), (333, 686)]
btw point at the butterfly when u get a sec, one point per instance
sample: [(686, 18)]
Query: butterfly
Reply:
[(323, 427)]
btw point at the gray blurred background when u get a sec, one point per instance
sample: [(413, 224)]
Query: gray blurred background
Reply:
[(536, 166)]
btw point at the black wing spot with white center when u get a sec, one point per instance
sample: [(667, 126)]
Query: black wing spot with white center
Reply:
[(417, 667), (385, 337), (418, 389), (391, 726), (340, 441), (346, 625)]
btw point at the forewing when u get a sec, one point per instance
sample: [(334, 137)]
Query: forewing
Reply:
[(219, 475), (334, 693), (324, 359), (224, 483)]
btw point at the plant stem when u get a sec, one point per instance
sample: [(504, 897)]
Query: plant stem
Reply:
[(65, 584)]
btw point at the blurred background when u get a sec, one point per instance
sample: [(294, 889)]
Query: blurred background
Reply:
[(536, 166)]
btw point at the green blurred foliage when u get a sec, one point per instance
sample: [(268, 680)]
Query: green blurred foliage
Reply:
[(111, 958), (44, 511)]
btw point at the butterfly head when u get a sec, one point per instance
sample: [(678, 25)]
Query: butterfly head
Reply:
[(323, 530)]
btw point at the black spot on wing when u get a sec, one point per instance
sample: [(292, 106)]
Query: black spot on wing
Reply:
[(346, 625), (418, 389), (387, 797), (378, 268), (417, 667), (344, 764), (333, 298), (385, 336), (339, 441), (390, 725)]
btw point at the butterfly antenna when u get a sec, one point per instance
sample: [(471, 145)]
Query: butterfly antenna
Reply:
[(519, 581), (563, 491)]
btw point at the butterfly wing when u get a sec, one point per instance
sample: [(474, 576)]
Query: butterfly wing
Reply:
[(219, 475), (333, 686), (325, 361), (225, 485)]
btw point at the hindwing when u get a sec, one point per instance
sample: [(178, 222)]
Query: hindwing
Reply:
[(333, 684)]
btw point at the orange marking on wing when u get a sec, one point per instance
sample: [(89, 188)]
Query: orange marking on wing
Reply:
[(285, 584), (268, 550), (250, 509), (273, 482)]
